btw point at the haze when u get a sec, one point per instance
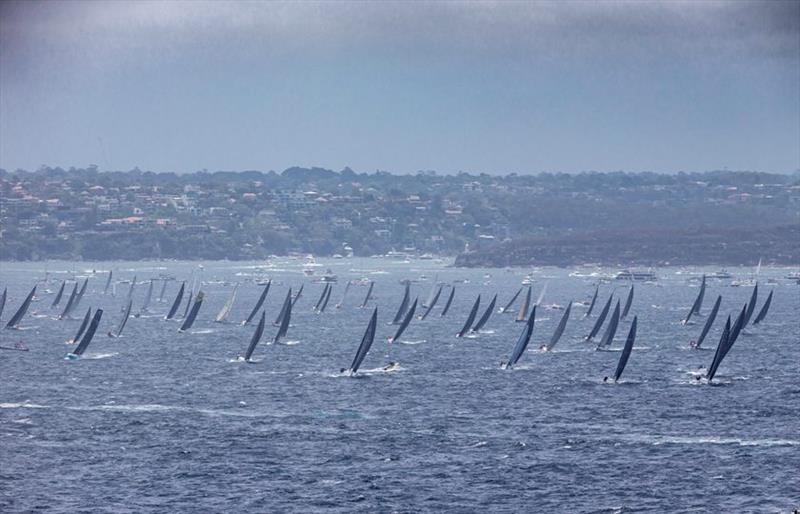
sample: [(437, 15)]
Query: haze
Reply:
[(493, 87)]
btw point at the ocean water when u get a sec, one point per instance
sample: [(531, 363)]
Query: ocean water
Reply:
[(162, 421)]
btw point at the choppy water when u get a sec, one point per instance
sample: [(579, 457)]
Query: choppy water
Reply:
[(163, 421)]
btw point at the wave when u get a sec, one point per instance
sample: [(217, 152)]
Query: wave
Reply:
[(658, 439)]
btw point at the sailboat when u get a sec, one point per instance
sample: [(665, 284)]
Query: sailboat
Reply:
[(286, 317), (432, 303), (70, 302), (83, 326), (147, 298), (406, 321), (255, 339), (486, 314), (297, 296), (594, 300), (600, 319), (287, 305), (559, 329), (59, 294), (259, 303), (322, 296), (709, 322), (472, 313), (628, 303), (698, 302), (449, 301), (189, 320), (125, 315), (176, 303), (522, 341), (626, 351), (366, 344), (611, 330), (344, 295), (751, 305), (513, 299), (523, 309), (87, 336), (368, 295), (326, 300), (108, 282), (403, 305), (763, 312), (17, 317), (226, 309)]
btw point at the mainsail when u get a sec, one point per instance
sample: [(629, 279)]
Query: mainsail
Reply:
[(297, 296), (522, 342), (130, 289), (594, 300), (258, 304), (709, 322), (70, 301), (470, 318), (187, 323), (600, 319), (79, 296), (89, 334), (17, 317), (177, 302), (751, 306), (611, 329), (763, 312), (59, 294), (513, 299), (322, 296), (326, 300), (3, 301), (432, 303), (124, 321), (344, 295), (406, 320), (541, 295), (698, 302), (626, 350), (287, 305), (163, 290), (723, 340), (449, 301), (628, 303), (83, 326), (366, 344), (285, 318), (523, 309), (147, 297), (256, 337), (369, 293), (403, 305), (486, 314), (226, 309), (560, 328), (428, 302)]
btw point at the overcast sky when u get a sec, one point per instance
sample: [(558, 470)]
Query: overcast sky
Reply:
[(493, 87)]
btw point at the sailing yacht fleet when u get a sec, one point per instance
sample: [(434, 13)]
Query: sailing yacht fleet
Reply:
[(404, 316)]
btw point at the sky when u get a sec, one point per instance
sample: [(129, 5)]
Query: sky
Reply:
[(480, 86)]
